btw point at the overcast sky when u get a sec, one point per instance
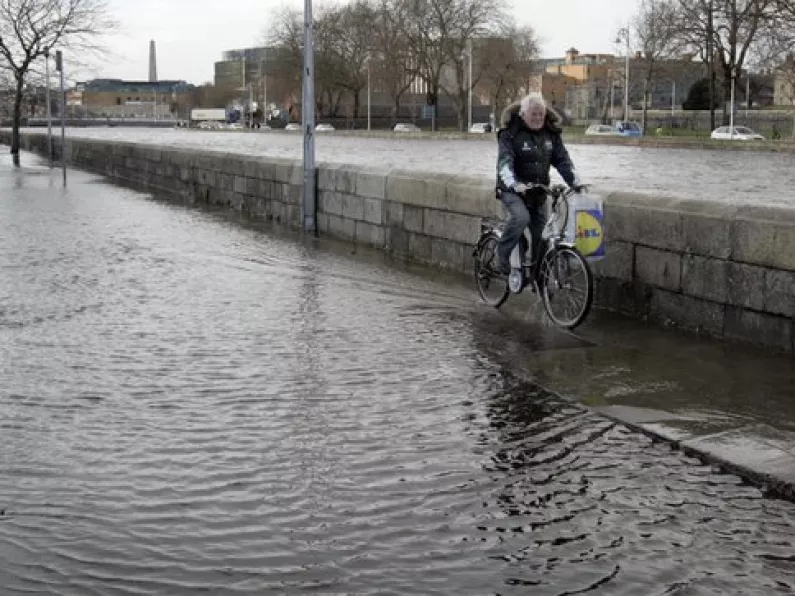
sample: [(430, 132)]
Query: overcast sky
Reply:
[(190, 34)]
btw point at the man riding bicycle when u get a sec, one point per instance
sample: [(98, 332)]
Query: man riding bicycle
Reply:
[(529, 143)]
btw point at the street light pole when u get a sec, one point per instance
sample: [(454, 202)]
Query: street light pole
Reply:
[(626, 80), (48, 102), (59, 66), (470, 86), (731, 106), (369, 96), (308, 124)]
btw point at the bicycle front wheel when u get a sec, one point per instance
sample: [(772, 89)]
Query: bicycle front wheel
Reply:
[(492, 286), (566, 286)]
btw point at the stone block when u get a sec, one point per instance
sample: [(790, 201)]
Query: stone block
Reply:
[(353, 207), (447, 253), (658, 268), (394, 213), (326, 177), (648, 221), (762, 329), (703, 277), (371, 183), (330, 202), (780, 295), (292, 193), (619, 261), (413, 218), (764, 235), (322, 223), (706, 228), (746, 285), (451, 226), (154, 155), (240, 184), (373, 211), (470, 196), (396, 240), (418, 247), (415, 189), (686, 311), (370, 234), (618, 296), (345, 180), (341, 227)]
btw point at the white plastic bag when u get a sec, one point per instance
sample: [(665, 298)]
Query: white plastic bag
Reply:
[(585, 225)]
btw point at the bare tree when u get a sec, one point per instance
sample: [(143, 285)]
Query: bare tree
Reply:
[(391, 51), (726, 32), (470, 23), (426, 31), (350, 45), (654, 28), (30, 29), (507, 64), (286, 36)]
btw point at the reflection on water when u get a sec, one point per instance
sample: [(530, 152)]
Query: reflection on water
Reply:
[(191, 406)]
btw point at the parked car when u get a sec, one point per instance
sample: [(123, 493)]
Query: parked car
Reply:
[(741, 133), (324, 127), (406, 127), (293, 126), (626, 128), (602, 130), (480, 127)]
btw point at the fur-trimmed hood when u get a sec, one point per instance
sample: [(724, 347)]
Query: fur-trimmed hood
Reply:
[(553, 121)]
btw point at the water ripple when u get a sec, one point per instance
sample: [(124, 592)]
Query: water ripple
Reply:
[(187, 407)]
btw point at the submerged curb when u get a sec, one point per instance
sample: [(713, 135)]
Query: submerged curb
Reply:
[(773, 484)]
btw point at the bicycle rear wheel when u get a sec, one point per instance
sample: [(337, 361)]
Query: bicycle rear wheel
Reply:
[(492, 286), (566, 286)]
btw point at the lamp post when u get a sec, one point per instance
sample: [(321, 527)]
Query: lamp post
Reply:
[(47, 101), (731, 106), (308, 124), (59, 67), (369, 94), (624, 32), (469, 120)]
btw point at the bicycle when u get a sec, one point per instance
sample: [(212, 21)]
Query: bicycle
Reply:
[(560, 267)]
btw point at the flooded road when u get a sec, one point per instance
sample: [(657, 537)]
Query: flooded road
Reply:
[(193, 405)]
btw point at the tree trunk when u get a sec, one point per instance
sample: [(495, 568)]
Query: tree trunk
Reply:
[(356, 104), (463, 107), (727, 93), (645, 117), (17, 122)]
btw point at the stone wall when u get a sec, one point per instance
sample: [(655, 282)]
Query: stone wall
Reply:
[(725, 270)]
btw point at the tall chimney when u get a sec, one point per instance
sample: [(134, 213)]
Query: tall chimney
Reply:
[(152, 62)]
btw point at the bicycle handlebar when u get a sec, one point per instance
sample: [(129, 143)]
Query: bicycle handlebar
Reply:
[(557, 190)]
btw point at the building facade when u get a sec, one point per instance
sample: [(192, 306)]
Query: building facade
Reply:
[(116, 98), (593, 86)]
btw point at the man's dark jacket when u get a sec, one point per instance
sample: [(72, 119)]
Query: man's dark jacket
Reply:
[(525, 156)]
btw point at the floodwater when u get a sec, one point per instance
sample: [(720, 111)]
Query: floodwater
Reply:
[(728, 176), (190, 404)]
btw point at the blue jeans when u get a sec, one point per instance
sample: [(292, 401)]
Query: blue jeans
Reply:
[(521, 214)]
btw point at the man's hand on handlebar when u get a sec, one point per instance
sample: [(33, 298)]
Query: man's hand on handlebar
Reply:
[(578, 188)]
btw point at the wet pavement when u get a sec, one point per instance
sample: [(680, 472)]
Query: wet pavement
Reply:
[(191, 403), (726, 176)]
